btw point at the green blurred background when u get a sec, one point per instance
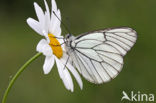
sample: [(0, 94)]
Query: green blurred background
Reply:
[(18, 43)]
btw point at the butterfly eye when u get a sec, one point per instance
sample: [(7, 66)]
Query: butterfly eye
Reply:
[(68, 36)]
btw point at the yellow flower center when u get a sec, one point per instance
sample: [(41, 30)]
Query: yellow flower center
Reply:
[(55, 45)]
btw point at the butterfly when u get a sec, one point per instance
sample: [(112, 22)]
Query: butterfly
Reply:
[(98, 55)]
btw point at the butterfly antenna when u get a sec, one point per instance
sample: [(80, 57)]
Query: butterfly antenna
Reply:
[(66, 28)]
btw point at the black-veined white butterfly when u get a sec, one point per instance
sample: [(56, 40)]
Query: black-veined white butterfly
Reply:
[(98, 55)]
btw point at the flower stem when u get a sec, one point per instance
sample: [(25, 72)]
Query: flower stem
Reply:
[(17, 75)]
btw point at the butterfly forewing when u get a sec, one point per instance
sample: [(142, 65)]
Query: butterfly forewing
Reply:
[(98, 55)]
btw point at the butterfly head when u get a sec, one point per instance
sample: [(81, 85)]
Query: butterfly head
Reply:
[(69, 41), (68, 36)]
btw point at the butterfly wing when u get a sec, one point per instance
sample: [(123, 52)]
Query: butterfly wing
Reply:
[(98, 55)]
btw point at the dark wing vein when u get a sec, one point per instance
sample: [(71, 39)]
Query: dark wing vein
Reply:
[(83, 65), (124, 32), (115, 47), (96, 70), (86, 55), (87, 39), (107, 52), (109, 58), (121, 37), (117, 44), (119, 40), (91, 69), (109, 64)]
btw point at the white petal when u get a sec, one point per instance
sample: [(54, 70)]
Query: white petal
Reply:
[(61, 41), (54, 6), (48, 64), (60, 66), (55, 28), (72, 70), (47, 16), (34, 25), (46, 24), (76, 75), (40, 14), (67, 79), (47, 7), (44, 48), (64, 75), (53, 22)]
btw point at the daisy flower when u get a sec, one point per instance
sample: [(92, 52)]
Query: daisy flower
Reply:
[(48, 26)]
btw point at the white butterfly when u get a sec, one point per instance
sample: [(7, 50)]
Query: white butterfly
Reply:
[(98, 55)]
